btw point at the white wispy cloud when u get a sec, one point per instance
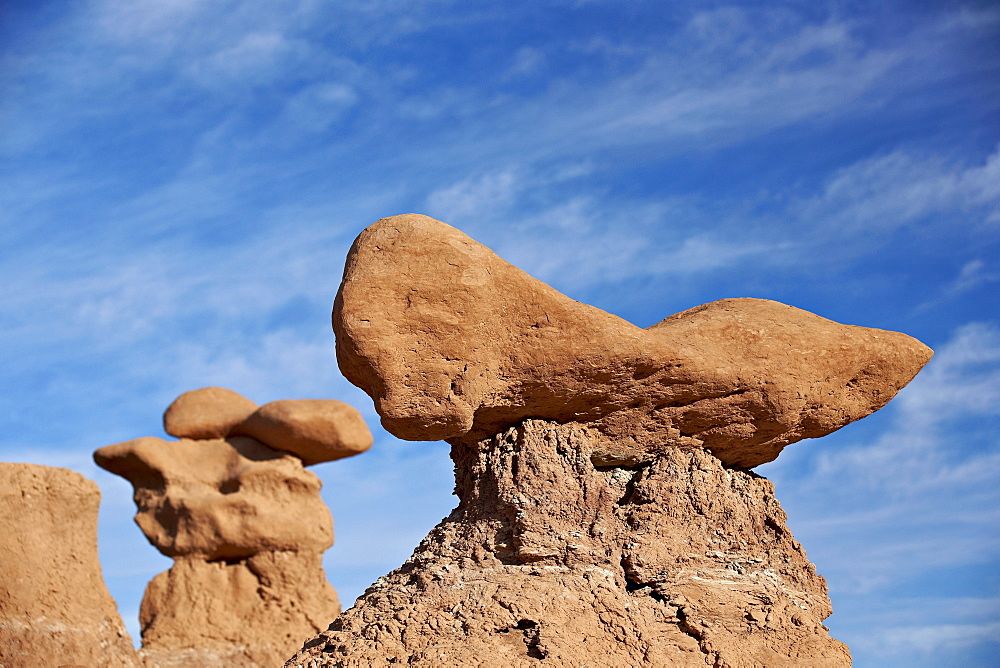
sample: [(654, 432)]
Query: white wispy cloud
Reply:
[(937, 638), (886, 192), (973, 275)]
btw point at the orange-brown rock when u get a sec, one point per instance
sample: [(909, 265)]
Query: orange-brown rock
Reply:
[(314, 430), (209, 412), (221, 499), (54, 606), (452, 342), (550, 560), (245, 524)]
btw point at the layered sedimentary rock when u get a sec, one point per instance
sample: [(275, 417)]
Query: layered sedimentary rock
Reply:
[(54, 606), (243, 520), (606, 515)]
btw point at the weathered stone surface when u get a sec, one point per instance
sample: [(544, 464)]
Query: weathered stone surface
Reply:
[(221, 499), (454, 343), (210, 412), (54, 606), (253, 612), (314, 430), (680, 562)]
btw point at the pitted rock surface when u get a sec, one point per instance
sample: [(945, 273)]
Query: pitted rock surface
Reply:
[(54, 606), (550, 560), (454, 343)]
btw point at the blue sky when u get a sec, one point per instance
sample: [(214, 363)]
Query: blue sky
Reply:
[(180, 181)]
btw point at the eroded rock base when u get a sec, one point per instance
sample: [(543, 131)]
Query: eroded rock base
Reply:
[(249, 612), (548, 558)]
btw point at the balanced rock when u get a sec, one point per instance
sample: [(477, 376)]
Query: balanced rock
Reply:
[(245, 525), (209, 412), (606, 516), (452, 342), (54, 606)]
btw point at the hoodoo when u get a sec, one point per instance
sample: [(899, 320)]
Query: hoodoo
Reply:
[(606, 512), (232, 503)]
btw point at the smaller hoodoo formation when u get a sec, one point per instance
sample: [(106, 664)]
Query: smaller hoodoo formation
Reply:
[(55, 609), (606, 512), (232, 503)]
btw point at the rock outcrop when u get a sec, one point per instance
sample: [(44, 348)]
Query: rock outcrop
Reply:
[(606, 516), (243, 521), (54, 606)]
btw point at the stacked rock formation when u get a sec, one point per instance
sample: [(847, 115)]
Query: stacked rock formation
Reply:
[(606, 513), (54, 607), (232, 503)]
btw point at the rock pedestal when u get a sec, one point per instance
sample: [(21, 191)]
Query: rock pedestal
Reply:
[(549, 558), (54, 606)]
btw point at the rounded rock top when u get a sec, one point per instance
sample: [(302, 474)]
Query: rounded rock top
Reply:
[(314, 430), (209, 412)]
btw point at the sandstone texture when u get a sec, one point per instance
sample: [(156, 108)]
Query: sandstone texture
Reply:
[(248, 612), (452, 342), (244, 522), (54, 606), (550, 560), (606, 516)]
